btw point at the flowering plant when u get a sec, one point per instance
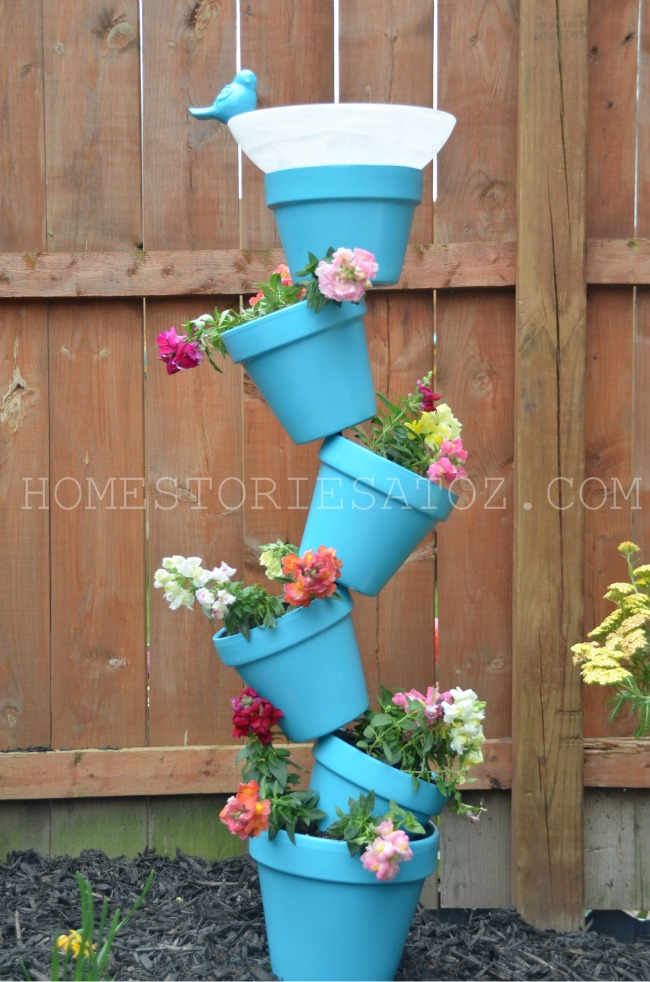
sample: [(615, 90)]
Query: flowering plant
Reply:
[(436, 737), (418, 435), (267, 801), (341, 275), (311, 576), (619, 654)]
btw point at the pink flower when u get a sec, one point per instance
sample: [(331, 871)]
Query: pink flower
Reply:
[(177, 352), (432, 702), (313, 575), (346, 275), (383, 856), (245, 813), (448, 465)]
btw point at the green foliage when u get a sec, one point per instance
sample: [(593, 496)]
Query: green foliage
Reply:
[(268, 765), (389, 437), (253, 607), (294, 811), (87, 952), (357, 826)]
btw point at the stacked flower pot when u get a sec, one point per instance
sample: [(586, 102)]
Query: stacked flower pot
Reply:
[(326, 918)]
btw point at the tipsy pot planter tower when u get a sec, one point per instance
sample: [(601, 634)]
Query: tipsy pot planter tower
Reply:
[(335, 176)]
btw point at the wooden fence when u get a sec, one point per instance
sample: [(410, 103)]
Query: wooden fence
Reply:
[(121, 216)]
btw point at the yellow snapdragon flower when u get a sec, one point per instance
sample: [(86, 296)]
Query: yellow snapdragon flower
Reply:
[(73, 942)]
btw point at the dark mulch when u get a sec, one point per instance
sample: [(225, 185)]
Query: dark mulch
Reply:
[(203, 920)]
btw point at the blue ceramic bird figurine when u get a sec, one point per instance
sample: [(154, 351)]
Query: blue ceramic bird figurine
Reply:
[(239, 96)]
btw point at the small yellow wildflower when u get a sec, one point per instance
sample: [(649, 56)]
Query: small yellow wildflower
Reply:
[(627, 548), (73, 942)]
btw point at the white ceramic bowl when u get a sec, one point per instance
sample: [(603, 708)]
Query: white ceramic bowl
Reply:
[(341, 133)]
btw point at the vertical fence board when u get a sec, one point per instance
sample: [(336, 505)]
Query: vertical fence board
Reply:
[(286, 45), (549, 439), (97, 525), (289, 46), (386, 55), (95, 378), (190, 165), (474, 370), (195, 509), (617, 847), (641, 469), (22, 205), (476, 858), (90, 56), (24, 527), (24, 534), (609, 397), (189, 53)]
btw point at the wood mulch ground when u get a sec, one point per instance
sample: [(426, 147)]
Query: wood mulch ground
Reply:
[(203, 920)]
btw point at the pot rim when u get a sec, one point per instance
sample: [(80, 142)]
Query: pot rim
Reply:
[(417, 491), (329, 750), (304, 622), (313, 857), (290, 325)]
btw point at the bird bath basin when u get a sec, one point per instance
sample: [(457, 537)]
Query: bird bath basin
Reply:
[(322, 134)]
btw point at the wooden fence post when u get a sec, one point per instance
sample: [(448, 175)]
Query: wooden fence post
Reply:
[(547, 816)]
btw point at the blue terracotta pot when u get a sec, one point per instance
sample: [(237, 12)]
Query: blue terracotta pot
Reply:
[(372, 511), (308, 666), (357, 206), (329, 918), (292, 348), (341, 772)]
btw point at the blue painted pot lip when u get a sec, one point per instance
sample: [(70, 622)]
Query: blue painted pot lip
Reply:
[(366, 467), (329, 860), (292, 628), (358, 182), (337, 754), (286, 326)]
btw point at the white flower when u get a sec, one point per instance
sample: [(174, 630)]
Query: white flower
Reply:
[(177, 596), (221, 574), (222, 602), (204, 597)]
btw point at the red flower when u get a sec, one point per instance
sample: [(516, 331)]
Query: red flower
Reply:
[(429, 398), (254, 716)]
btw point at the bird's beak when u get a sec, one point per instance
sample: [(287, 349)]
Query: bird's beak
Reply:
[(204, 113)]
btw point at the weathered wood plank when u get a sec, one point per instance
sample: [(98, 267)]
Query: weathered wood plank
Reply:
[(609, 394), (92, 76), (547, 837), (290, 46), (207, 272), (190, 166), (97, 525), (136, 771), (195, 495), (475, 860), (22, 154), (617, 847), (24, 526), (386, 56), (475, 351)]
